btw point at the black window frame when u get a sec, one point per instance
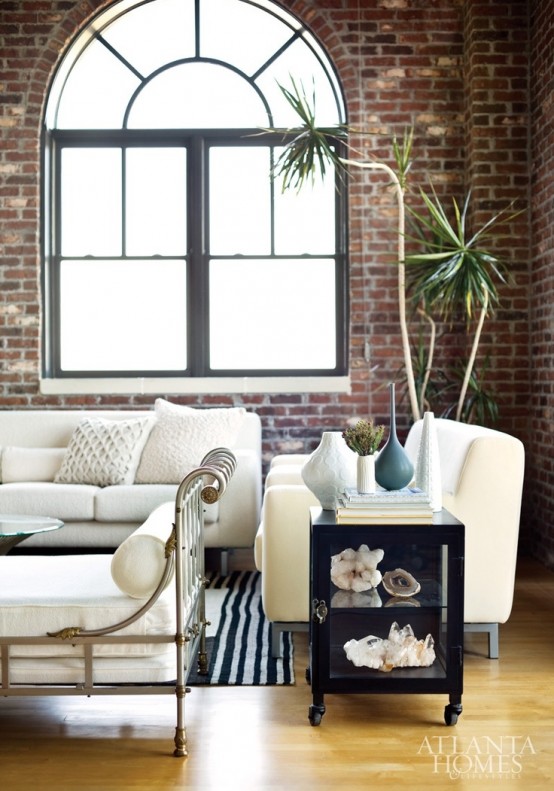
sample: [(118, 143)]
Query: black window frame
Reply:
[(198, 143)]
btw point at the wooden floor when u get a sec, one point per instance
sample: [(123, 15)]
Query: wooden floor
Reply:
[(255, 738)]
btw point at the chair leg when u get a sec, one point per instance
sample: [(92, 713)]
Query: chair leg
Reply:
[(224, 562), (276, 640), (277, 627), (493, 641), (492, 633)]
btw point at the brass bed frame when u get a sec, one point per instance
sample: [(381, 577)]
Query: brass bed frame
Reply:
[(184, 555)]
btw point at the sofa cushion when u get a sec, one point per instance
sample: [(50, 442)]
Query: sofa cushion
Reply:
[(132, 503), (30, 464), (138, 563), (182, 436), (135, 503), (104, 452), (69, 502)]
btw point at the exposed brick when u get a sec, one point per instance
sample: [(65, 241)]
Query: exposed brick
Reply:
[(473, 78)]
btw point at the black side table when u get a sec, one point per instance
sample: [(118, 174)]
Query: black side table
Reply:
[(433, 555)]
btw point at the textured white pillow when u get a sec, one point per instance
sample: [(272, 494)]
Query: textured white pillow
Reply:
[(30, 464), (104, 452), (182, 436), (138, 563)]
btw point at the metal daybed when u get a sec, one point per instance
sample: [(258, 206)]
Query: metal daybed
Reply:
[(67, 629)]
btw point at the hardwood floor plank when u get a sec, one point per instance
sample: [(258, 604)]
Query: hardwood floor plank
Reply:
[(258, 738)]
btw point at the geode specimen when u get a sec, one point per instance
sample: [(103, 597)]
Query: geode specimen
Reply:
[(356, 570), (400, 649), (400, 583)]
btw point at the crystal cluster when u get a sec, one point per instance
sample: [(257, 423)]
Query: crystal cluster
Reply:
[(356, 570), (400, 649)]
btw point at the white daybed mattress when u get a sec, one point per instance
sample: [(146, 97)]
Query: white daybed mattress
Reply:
[(47, 594)]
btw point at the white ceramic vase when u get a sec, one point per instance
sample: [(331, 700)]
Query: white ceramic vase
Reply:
[(365, 474), (330, 469), (428, 469)]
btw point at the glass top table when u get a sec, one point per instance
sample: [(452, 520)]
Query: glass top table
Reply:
[(17, 527)]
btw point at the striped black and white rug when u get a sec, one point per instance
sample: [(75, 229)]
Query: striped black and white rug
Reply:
[(238, 643)]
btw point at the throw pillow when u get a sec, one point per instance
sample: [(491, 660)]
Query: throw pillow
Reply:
[(182, 436), (104, 452), (139, 562)]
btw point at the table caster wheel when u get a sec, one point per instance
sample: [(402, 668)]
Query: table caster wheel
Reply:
[(451, 713), (315, 714)]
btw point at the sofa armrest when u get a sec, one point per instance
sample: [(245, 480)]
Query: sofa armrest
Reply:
[(284, 474), (488, 501), (239, 508), (282, 459), (283, 550)]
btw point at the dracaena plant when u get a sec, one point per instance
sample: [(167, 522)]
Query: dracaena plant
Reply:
[(452, 271), (455, 273), (312, 148)]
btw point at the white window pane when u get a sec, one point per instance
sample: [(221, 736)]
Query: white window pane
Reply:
[(256, 36), (305, 220), (299, 61), (197, 95), (281, 314), (154, 34), (156, 201), (123, 315), (91, 201), (240, 201), (97, 91), (329, 79)]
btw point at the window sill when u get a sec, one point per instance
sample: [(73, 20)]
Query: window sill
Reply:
[(240, 384)]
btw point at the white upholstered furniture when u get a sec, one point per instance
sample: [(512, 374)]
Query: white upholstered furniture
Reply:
[(34, 444), (129, 623), (482, 478)]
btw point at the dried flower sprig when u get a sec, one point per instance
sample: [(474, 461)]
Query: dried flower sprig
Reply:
[(364, 438)]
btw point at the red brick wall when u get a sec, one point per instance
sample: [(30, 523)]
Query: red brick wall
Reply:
[(540, 490), (457, 70)]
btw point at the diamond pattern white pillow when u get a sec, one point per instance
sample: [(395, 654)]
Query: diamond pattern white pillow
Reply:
[(104, 452), (182, 436)]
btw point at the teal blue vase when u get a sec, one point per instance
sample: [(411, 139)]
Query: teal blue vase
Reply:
[(393, 468)]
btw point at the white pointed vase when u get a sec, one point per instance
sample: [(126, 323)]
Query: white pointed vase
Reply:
[(365, 474), (330, 469), (428, 470)]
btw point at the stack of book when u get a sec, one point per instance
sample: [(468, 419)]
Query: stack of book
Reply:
[(402, 507)]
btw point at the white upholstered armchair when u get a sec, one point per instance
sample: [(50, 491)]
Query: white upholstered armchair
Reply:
[(482, 481)]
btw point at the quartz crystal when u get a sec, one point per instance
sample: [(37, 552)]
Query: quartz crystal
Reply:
[(356, 569), (400, 649)]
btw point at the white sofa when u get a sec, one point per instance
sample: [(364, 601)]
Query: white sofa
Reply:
[(33, 444), (482, 481)]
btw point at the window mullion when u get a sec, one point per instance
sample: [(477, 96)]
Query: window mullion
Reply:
[(124, 202), (197, 285)]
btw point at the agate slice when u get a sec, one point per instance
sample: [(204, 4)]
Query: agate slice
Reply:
[(400, 601), (400, 583)]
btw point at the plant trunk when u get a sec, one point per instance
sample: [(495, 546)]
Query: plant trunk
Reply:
[(472, 356), (401, 279), (431, 354)]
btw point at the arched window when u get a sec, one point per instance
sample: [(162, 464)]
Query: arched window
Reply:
[(170, 248)]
